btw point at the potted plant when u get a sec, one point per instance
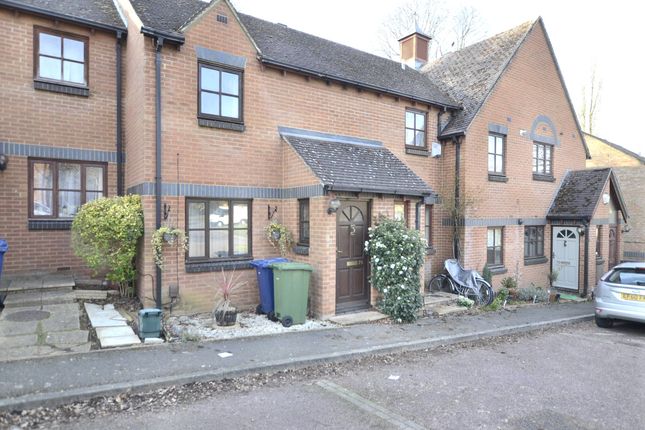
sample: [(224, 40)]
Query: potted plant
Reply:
[(279, 236), (554, 296), (223, 313), (169, 235), (510, 284)]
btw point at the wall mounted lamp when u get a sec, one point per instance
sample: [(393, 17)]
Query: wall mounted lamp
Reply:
[(334, 204)]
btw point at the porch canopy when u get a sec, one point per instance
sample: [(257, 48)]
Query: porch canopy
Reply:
[(352, 164), (580, 192)]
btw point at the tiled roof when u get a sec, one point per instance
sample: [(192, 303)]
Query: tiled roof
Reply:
[(579, 194), (281, 45), (101, 12), (168, 16), (349, 164), (469, 75), (616, 146)]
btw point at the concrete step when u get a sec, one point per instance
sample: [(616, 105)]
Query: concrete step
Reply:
[(448, 309), (110, 337), (357, 318), (36, 298), (90, 294), (439, 298), (38, 282), (61, 339)]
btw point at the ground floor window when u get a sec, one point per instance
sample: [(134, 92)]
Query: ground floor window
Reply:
[(534, 241), (400, 212), (428, 225), (57, 189), (218, 229), (303, 222), (494, 254)]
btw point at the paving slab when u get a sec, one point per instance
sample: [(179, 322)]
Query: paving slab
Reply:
[(114, 341), (59, 317), (439, 298), (71, 337), (104, 316), (357, 318), (29, 352), (40, 281), (36, 298), (18, 341)]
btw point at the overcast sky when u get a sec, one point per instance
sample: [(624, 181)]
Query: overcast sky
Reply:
[(609, 35)]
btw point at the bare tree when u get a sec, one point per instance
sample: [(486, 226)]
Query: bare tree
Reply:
[(448, 30), (590, 102)]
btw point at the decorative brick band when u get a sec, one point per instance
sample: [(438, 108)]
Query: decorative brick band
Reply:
[(494, 222), (29, 150), (229, 192)]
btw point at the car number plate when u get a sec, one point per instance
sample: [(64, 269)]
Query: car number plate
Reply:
[(632, 297)]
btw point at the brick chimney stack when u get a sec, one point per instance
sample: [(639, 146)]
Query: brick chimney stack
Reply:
[(414, 48)]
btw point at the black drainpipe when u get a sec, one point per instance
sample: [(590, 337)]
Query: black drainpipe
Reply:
[(119, 117), (158, 46), (586, 274), (457, 220)]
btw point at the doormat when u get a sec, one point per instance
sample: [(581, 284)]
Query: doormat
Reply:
[(572, 297)]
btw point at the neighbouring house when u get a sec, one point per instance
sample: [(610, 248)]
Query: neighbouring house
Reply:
[(629, 169), (223, 122)]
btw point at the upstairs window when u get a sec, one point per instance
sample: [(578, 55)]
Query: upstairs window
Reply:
[(303, 222), (60, 57), (495, 154), (220, 93), (542, 159), (415, 128)]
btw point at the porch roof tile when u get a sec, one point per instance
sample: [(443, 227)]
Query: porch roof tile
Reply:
[(578, 195), (350, 164)]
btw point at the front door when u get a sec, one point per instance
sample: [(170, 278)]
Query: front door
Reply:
[(612, 257), (352, 288), (566, 247)]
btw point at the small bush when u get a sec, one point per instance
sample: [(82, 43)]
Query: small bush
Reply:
[(500, 298), (487, 274), (527, 294), (465, 302), (105, 233), (396, 255), (509, 283)]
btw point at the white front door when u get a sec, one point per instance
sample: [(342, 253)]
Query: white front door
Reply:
[(566, 247)]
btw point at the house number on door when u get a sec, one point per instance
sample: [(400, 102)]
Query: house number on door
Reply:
[(352, 229)]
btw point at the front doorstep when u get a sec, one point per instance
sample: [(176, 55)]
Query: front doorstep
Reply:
[(352, 307)]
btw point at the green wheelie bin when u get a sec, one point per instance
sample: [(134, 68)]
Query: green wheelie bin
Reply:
[(291, 291)]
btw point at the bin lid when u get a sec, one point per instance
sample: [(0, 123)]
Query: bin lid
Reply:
[(263, 264), (292, 266), (149, 311), (3, 246)]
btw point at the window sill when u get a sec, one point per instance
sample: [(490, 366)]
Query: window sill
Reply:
[(49, 224), (214, 266), (423, 152), (544, 178), (213, 123), (535, 260), (497, 270), (301, 249), (430, 251), (494, 177), (62, 88)]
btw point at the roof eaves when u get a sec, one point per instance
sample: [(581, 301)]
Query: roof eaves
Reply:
[(499, 76), (269, 61), (63, 17), (171, 37)]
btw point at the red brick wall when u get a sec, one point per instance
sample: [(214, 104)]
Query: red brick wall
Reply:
[(528, 88), (49, 119)]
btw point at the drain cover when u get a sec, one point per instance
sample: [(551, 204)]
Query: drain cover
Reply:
[(25, 316)]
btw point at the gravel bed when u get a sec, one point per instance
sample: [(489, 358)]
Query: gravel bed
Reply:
[(202, 327)]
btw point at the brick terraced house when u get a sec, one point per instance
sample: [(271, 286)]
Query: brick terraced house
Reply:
[(222, 122)]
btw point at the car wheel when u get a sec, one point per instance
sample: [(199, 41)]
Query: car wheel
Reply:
[(604, 322)]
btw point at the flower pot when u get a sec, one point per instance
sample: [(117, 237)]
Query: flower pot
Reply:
[(275, 234), (168, 238), (226, 318)]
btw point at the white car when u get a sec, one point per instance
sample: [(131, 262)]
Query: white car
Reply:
[(620, 294)]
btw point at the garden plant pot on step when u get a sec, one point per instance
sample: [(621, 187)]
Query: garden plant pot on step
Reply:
[(226, 318)]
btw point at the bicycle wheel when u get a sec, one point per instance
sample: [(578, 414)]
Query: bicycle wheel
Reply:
[(486, 292), (440, 283)]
